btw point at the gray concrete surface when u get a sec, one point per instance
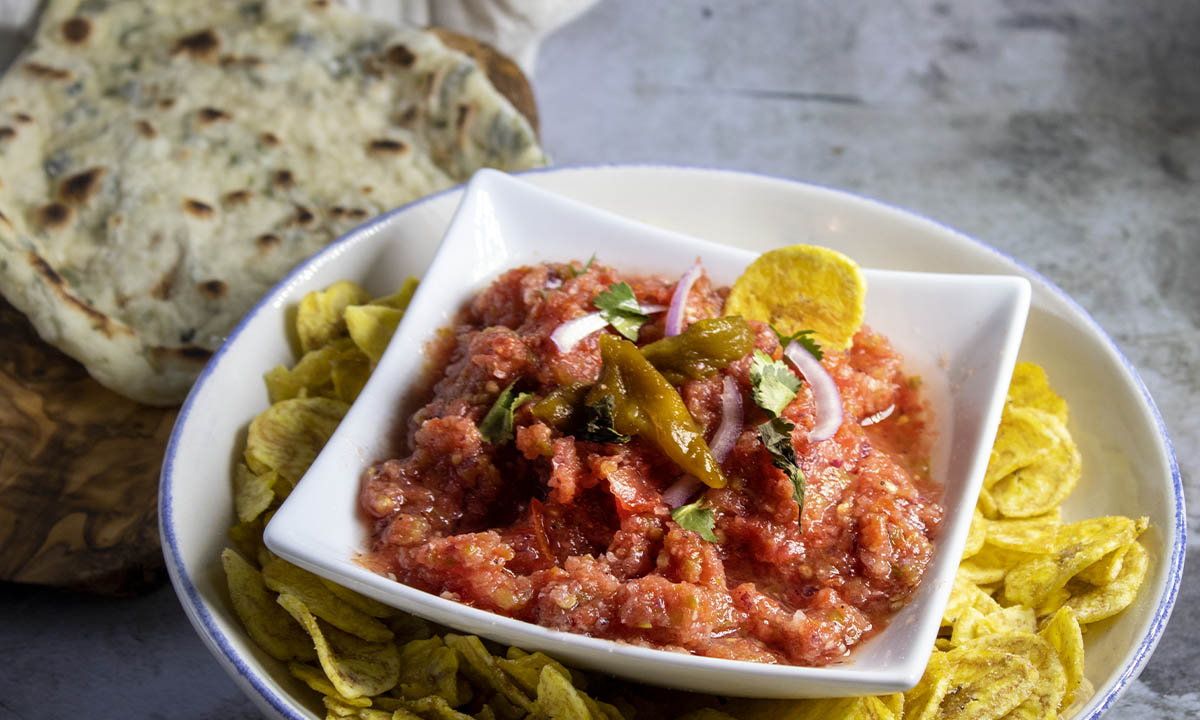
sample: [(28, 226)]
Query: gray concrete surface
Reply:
[(1064, 133)]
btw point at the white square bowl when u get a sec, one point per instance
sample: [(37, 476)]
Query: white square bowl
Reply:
[(960, 333)]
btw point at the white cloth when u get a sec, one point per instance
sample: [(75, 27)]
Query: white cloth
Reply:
[(514, 27)]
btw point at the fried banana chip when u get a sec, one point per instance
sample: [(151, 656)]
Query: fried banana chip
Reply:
[(1050, 677), (265, 622), (319, 319), (288, 436), (1080, 544), (1021, 440), (983, 684), (852, 708), (252, 493), (803, 287), (974, 624), (1106, 569), (976, 535), (284, 577), (371, 328), (355, 667), (966, 595), (1031, 388), (428, 667), (314, 677), (1041, 486), (557, 698), (922, 702), (1065, 636), (1108, 600), (482, 669), (1029, 535)]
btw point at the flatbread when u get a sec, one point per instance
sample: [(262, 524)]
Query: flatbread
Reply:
[(163, 164)]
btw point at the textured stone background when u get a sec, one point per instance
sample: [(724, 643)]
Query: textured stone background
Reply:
[(1064, 133)]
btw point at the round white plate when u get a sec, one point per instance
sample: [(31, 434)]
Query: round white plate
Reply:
[(1129, 466)]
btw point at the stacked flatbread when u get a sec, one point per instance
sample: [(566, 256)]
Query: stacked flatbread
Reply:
[(162, 164)]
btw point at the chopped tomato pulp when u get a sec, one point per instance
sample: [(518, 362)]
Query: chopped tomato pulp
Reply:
[(575, 535)]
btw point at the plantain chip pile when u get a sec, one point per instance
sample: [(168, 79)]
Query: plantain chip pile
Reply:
[(1011, 644)]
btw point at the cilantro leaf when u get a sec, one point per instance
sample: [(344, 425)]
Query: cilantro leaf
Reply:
[(599, 425), (497, 425), (805, 338), (773, 384), (619, 307), (577, 273), (776, 436), (696, 518)]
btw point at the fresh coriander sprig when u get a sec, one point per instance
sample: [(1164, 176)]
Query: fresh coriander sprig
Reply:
[(619, 307), (773, 385), (694, 516), (497, 425)]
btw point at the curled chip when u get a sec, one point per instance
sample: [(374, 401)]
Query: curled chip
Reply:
[(965, 595), (1108, 600), (983, 683), (974, 624), (1106, 569), (1040, 487), (1081, 544), (284, 577), (355, 667), (976, 535), (267, 625), (803, 287), (852, 708), (557, 698), (319, 318), (1029, 535), (1051, 679), (1065, 636), (923, 701), (428, 667), (1031, 388), (991, 564), (484, 671), (371, 328), (314, 677), (288, 436), (252, 493), (1021, 440)]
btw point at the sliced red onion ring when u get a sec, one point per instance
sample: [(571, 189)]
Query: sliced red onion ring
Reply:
[(567, 335), (880, 416), (681, 491), (731, 421), (679, 299), (824, 390)]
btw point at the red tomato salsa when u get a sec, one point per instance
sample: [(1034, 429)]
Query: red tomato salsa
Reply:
[(575, 535)]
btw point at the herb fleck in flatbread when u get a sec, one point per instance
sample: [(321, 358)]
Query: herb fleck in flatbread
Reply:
[(162, 164)]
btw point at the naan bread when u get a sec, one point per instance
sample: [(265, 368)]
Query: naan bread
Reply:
[(163, 164)]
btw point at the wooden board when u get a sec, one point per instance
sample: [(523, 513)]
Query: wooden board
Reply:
[(79, 464)]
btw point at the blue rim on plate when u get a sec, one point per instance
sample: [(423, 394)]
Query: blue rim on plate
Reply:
[(204, 621)]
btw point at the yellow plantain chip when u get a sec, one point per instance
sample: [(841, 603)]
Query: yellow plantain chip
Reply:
[(252, 493), (973, 624), (355, 667), (284, 577), (482, 669), (1108, 600), (803, 287), (1106, 569), (987, 504), (1050, 677), (557, 698), (319, 318), (1021, 440), (312, 376), (924, 700), (338, 708), (287, 436), (1065, 636), (1031, 388), (1041, 486), (247, 537), (374, 608), (894, 703), (401, 298), (371, 328), (1052, 602), (430, 708), (1030, 535), (266, 624), (852, 708), (966, 595), (314, 677), (428, 667), (1080, 544), (526, 669), (350, 372), (976, 534), (984, 684)]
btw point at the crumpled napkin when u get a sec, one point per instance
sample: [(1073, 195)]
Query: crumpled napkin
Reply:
[(514, 27)]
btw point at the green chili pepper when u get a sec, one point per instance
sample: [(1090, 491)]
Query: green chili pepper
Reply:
[(701, 350), (644, 403)]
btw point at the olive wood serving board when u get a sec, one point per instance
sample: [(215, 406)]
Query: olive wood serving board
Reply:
[(79, 464)]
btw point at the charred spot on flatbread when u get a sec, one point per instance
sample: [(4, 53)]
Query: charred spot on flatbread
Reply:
[(46, 72), (386, 146), (23, 117), (76, 30), (269, 139), (200, 45), (304, 216), (401, 56), (236, 197), (53, 216), (166, 103), (197, 208), (77, 189), (145, 129), (4, 220), (209, 115), (213, 289), (7, 133), (163, 288), (56, 281), (244, 61), (283, 179), (188, 351), (267, 242)]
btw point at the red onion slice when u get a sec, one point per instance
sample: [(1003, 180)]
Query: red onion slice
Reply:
[(567, 335), (824, 390), (681, 491), (731, 421), (880, 416), (679, 299)]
